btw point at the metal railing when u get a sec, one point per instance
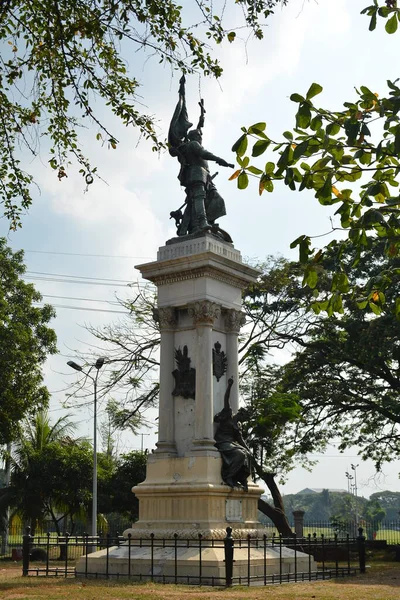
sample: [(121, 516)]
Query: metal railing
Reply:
[(60, 556), (387, 530)]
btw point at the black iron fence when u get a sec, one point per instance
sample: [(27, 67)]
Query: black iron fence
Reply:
[(387, 531), (263, 560), (383, 532), (11, 539)]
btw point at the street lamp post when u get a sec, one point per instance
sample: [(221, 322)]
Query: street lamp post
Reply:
[(98, 364), (142, 436), (354, 468), (349, 478)]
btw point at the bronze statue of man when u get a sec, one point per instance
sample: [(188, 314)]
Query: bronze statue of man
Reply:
[(203, 204)]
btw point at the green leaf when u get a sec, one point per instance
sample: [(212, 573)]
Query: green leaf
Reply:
[(314, 90), (397, 140), (242, 146), (238, 142), (397, 308), (332, 128), (304, 243), (384, 11), (392, 24), (310, 277), (324, 194), (243, 181), (269, 168), (297, 241), (372, 23), (257, 127), (303, 116), (316, 123), (260, 147), (304, 249), (285, 157), (297, 98), (268, 186), (300, 149), (254, 170), (288, 135), (375, 308), (362, 304)]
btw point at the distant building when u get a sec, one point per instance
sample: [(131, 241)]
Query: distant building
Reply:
[(308, 491)]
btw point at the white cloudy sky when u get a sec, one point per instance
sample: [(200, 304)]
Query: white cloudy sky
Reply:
[(126, 218)]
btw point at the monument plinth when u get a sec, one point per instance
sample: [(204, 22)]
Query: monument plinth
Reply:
[(199, 288)]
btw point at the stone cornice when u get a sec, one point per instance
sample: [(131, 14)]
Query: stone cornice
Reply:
[(185, 275), (206, 264)]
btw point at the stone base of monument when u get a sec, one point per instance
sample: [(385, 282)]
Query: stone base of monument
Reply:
[(185, 509), (186, 495), (181, 564)]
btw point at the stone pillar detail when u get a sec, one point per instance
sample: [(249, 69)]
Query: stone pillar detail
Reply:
[(204, 314), (166, 317), (234, 319), (299, 523)]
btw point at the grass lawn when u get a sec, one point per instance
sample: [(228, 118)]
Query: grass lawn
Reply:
[(381, 582)]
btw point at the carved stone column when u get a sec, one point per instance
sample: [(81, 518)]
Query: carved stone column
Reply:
[(204, 314), (166, 317), (234, 319)]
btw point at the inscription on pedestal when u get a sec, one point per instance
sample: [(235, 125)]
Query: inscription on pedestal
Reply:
[(233, 510)]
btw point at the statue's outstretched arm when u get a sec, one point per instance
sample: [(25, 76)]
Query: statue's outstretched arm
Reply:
[(220, 161)]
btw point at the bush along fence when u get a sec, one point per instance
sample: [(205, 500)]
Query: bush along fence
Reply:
[(264, 560)]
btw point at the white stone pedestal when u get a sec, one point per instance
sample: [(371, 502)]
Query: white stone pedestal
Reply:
[(199, 283)]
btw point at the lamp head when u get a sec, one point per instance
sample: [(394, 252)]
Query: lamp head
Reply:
[(99, 362), (74, 365)]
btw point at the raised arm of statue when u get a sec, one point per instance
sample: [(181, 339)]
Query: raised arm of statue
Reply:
[(227, 405), (182, 82)]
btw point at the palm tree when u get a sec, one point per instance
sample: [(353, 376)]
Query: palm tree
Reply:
[(46, 480)]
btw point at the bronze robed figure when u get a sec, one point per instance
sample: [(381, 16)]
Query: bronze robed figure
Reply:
[(203, 204), (229, 441)]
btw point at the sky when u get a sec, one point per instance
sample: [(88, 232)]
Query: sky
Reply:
[(97, 237)]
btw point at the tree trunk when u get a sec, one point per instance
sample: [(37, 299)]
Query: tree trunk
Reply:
[(276, 512)]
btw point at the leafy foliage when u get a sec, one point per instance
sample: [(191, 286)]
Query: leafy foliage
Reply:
[(390, 501), (346, 371), (50, 472), (334, 155), (390, 12), (115, 491), (25, 341), (62, 61)]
